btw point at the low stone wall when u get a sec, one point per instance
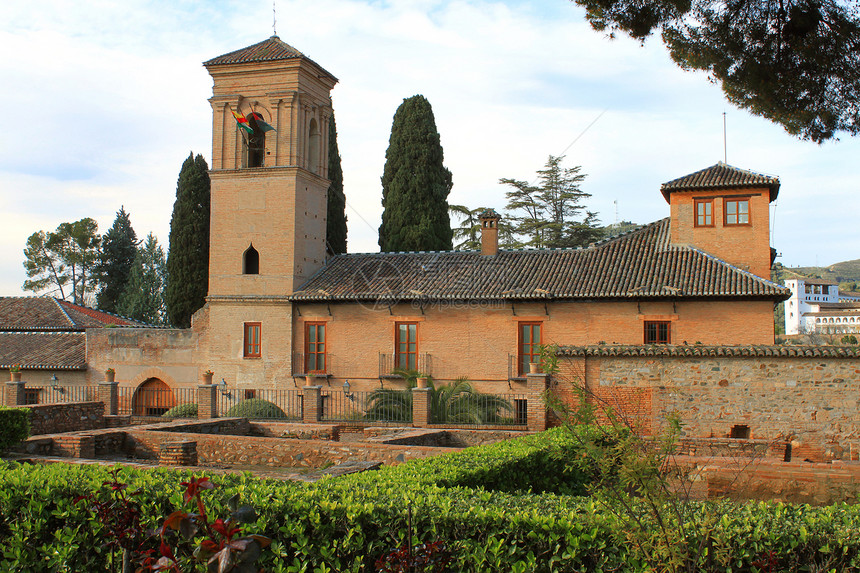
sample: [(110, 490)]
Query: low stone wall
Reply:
[(439, 437), (803, 396), (226, 426), (295, 431), (274, 452), (65, 417)]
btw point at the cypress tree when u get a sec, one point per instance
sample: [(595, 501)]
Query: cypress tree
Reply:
[(143, 298), (116, 258), (335, 233), (415, 183), (188, 256)]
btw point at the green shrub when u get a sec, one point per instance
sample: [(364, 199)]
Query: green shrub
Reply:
[(188, 410), (255, 408), (14, 426)]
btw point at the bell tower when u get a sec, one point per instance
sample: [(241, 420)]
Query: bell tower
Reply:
[(271, 108)]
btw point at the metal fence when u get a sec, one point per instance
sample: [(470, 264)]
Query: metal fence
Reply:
[(57, 394), (153, 401), (478, 409), (260, 404), (384, 406)]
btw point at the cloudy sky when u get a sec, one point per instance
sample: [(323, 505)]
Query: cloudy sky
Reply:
[(105, 99)]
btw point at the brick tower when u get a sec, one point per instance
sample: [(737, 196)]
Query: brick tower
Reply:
[(268, 210)]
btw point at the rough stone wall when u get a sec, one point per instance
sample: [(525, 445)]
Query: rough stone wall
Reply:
[(813, 403), (66, 417)]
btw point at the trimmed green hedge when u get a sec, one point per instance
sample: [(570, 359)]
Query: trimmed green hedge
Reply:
[(188, 410), (344, 524), (14, 426), (255, 408)]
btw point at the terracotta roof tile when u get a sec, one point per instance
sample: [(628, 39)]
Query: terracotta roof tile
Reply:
[(44, 350), (721, 176), (638, 264), (269, 50), (657, 350), (50, 314)]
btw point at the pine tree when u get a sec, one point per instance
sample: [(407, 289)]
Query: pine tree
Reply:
[(335, 235), (415, 183), (143, 297), (468, 233), (188, 257), (550, 214), (63, 258), (119, 248)]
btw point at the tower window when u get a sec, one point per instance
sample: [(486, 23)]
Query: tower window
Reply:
[(252, 340), (255, 142), (251, 262), (704, 212), (314, 147), (737, 212)]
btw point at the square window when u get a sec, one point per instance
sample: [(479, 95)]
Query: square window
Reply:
[(252, 339), (657, 331), (704, 212), (737, 212)]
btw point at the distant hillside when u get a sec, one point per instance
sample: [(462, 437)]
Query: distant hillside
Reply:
[(846, 273)]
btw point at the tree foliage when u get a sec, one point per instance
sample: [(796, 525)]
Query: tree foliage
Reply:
[(335, 235), (143, 297), (793, 62), (415, 183), (188, 256), (467, 236), (551, 214), (116, 258), (61, 262)]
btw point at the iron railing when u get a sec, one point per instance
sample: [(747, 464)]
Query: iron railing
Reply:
[(299, 366), (57, 394), (478, 409), (153, 402), (388, 364), (251, 403)]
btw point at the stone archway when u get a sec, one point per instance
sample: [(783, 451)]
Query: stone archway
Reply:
[(152, 398)]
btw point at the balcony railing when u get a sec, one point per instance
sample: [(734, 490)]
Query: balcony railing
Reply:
[(388, 365), (300, 367)]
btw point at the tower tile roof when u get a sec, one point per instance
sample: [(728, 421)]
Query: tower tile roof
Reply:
[(721, 176), (269, 50)]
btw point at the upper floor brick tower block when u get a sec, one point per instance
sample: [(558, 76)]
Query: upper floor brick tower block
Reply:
[(724, 211), (269, 169)]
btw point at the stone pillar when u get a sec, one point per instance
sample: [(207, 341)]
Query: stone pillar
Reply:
[(421, 407), (312, 401), (207, 401), (536, 383), (109, 396), (15, 393)]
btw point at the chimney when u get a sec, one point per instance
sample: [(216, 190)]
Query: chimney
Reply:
[(489, 232)]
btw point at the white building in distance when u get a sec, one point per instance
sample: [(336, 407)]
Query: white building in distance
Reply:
[(816, 306)]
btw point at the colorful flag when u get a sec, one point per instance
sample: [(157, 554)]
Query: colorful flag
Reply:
[(259, 119), (242, 122)]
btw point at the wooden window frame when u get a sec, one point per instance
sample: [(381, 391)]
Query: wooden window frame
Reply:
[(696, 203), (316, 353), (397, 354), (253, 348), (737, 213), (522, 366), (657, 338)]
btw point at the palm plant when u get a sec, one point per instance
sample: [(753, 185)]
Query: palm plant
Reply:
[(457, 403)]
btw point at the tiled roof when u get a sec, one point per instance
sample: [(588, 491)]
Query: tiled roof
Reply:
[(269, 50), (657, 350), (44, 350), (721, 176), (49, 314), (637, 265)]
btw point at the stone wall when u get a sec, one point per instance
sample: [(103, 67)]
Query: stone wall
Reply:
[(806, 397), (65, 417)]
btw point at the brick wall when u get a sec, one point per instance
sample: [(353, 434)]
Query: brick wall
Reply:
[(66, 417), (811, 402)]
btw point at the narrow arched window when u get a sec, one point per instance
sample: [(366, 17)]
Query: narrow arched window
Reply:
[(314, 147), (251, 262)]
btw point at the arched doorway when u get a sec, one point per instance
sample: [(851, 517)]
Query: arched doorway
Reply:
[(152, 398)]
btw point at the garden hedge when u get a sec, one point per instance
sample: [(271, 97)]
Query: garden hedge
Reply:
[(14, 426), (344, 524)]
